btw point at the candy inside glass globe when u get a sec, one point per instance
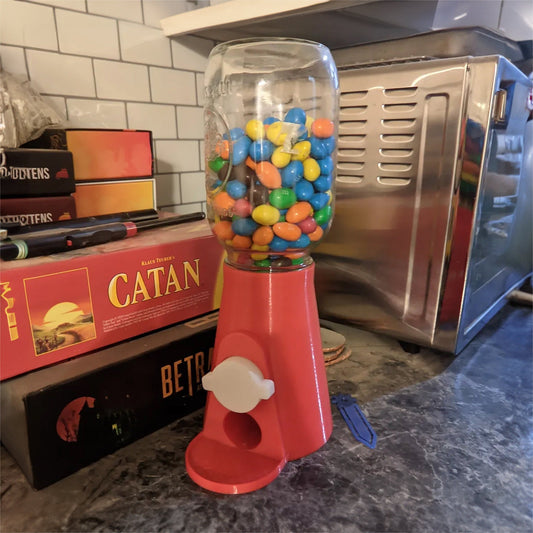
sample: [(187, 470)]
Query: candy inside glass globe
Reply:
[(270, 122)]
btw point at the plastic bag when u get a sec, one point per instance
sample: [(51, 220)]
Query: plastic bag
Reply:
[(24, 114)]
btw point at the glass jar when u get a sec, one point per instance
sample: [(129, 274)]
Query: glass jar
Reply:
[(271, 114)]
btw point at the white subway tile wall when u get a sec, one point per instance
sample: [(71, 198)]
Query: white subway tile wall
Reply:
[(107, 64)]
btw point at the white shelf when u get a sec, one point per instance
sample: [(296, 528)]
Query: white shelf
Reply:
[(335, 23)]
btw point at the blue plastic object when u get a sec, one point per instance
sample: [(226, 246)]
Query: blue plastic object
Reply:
[(355, 419)]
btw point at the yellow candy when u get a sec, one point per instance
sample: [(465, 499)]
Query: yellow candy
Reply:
[(255, 129), (274, 133), (301, 151), (266, 215), (311, 169), (280, 158), (261, 248)]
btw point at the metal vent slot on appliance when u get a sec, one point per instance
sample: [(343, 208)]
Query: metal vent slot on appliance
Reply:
[(377, 145), (395, 158), (353, 126)]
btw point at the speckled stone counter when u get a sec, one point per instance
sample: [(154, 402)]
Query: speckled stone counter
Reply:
[(454, 454)]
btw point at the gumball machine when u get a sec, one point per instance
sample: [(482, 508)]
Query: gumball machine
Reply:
[(271, 108)]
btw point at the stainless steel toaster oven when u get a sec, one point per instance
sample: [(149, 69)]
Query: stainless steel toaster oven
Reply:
[(432, 222)]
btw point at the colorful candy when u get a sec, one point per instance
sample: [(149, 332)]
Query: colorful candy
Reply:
[(311, 169), (263, 235), (299, 212), (301, 151), (255, 129), (270, 189), (287, 231), (261, 150), (280, 158), (322, 128), (282, 198), (268, 175), (266, 215)]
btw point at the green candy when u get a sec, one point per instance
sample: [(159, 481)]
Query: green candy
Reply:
[(216, 164), (323, 215), (282, 198), (262, 263)]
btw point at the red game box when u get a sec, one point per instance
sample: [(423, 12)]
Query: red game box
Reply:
[(64, 305)]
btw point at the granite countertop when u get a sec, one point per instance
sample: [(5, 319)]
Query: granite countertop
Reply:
[(454, 454)]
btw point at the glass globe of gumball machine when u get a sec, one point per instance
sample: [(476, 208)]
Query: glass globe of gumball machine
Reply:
[(271, 108)]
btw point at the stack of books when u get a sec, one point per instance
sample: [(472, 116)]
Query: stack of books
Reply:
[(113, 168), (104, 344), (36, 186)]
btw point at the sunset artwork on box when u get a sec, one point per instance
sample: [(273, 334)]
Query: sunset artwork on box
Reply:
[(60, 310)]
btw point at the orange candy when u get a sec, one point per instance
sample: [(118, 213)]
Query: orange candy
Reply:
[(250, 163), (223, 202), (293, 255), (241, 241), (222, 149), (322, 128), (263, 235), (287, 231), (223, 230), (268, 175), (298, 212), (316, 235)]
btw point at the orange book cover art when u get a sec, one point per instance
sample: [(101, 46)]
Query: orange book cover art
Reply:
[(60, 310), (110, 154), (94, 199)]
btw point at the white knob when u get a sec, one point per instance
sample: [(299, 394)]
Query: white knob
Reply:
[(238, 384)]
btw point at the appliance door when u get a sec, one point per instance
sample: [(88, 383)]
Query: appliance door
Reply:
[(382, 263), (501, 250)]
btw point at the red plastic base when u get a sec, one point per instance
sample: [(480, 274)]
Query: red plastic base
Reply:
[(271, 320)]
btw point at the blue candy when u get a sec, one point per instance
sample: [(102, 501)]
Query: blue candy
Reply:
[(302, 242), (322, 183), (296, 115), (304, 190), (234, 134), (293, 172), (240, 149), (329, 143), (261, 150), (319, 200), (236, 189), (277, 244), (244, 226), (318, 149), (326, 165), (270, 120), (303, 134)]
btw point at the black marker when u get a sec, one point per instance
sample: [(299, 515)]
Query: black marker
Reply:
[(15, 228), (52, 243)]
